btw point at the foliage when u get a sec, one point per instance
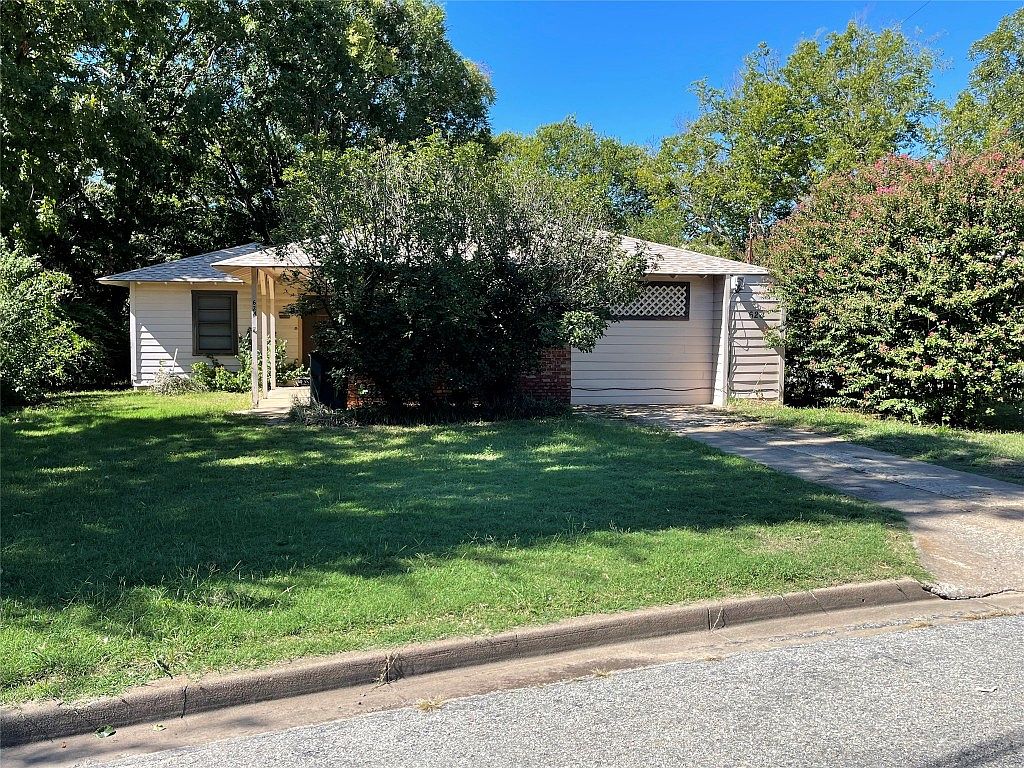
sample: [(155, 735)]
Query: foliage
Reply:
[(443, 270), (991, 111), (214, 376), (752, 152), (202, 541), (603, 172), (40, 347), (904, 286), (137, 132)]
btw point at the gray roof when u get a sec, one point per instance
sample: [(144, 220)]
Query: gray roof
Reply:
[(665, 260), (194, 269), (281, 256), (669, 260)]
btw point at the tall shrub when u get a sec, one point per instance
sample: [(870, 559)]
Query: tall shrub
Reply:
[(443, 270), (904, 286), (40, 348)]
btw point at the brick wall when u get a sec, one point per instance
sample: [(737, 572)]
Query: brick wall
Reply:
[(553, 379)]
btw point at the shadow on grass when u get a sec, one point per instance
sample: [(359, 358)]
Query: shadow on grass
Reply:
[(220, 511)]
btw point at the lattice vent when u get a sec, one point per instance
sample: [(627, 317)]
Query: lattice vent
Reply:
[(659, 301)]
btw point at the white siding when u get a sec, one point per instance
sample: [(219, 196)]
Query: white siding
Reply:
[(654, 361), (755, 368), (162, 325)]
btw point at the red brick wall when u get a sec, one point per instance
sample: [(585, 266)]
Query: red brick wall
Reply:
[(553, 380)]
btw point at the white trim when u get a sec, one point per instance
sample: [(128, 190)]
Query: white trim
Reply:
[(133, 334), (724, 345)]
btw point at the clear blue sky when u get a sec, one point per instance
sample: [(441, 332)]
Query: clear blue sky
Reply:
[(626, 67)]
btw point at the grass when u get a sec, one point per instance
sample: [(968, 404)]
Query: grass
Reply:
[(147, 536), (995, 453)]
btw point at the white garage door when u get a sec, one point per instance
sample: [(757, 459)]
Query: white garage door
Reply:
[(660, 353)]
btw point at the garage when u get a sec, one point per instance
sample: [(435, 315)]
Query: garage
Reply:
[(670, 347)]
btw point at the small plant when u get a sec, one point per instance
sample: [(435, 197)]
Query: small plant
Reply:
[(166, 382), (215, 376), (317, 415)]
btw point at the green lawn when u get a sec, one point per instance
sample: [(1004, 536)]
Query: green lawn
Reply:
[(996, 453), (144, 533)]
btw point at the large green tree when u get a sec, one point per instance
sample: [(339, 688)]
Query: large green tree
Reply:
[(598, 169), (753, 150), (134, 132), (990, 112)]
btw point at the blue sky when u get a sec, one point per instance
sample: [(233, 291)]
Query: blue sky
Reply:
[(626, 67)]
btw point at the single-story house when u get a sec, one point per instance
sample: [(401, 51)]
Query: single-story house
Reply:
[(670, 346)]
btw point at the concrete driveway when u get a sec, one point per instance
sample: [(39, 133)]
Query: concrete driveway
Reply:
[(969, 529)]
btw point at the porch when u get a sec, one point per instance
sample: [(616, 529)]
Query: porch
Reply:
[(278, 402), (267, 271)]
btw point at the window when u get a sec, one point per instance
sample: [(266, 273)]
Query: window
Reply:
[(214, 323), (659, 301)]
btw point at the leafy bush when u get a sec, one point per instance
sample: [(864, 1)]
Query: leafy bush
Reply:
[(215, 376), (40, 348), (442, 270), (904, 286)]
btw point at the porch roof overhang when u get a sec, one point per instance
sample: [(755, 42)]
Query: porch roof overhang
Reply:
[(273, 260)]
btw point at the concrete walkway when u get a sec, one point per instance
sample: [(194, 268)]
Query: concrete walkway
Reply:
[(969, 529), (277, 404)]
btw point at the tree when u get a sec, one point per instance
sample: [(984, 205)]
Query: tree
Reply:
[(740, 165), (443, 270), (904, 283), (40, 348), (599, 169), (990, 112), (754, 150), (144, 131)]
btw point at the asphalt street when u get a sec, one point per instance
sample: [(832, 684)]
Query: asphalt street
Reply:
[(930, 697)]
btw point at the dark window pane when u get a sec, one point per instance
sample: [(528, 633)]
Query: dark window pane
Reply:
[(214, 322)]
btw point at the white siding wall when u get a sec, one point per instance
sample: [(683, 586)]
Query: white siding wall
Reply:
[(755, 366), (162, 317), (655, 361)]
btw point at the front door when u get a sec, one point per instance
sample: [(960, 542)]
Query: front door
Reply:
[(310, 325)]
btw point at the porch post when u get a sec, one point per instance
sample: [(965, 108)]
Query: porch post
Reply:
[(724, 346), (273, 333), (255, 337), (266, 335)]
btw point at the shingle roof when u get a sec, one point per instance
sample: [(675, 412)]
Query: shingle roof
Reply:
[(665, 260), (276, 256), (194, 269), (669, 260)]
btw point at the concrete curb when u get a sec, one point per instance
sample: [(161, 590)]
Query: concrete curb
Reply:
[(168, 699)]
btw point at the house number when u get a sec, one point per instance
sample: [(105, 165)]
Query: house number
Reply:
[(756, 314)]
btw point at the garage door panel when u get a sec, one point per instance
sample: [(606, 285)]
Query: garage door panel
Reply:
[(631, 355), (648, 362), (698, 397)]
